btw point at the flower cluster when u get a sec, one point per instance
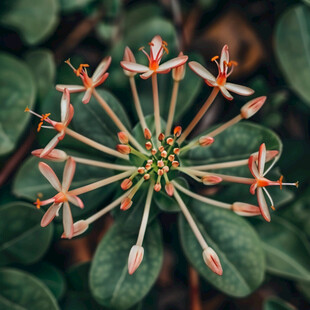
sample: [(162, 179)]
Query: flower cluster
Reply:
[(160, 157)]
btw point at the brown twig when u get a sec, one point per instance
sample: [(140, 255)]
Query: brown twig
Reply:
[(194, 293)]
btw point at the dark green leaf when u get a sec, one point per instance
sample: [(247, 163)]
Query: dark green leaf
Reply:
[(17, 91), (73, 5), (110, 283), (275, 303), (20, 290), (236, 244), (20, 238)]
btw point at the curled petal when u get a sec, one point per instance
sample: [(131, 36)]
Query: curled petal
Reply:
[(128, 55), (212, 261), (49, 215), (78, 228), (147, 74), (226, 93), (201, 71), (156, 50), (54, 155), (87, 95), (224, 58), (64, 105), (172, 63), (68, 174), (261, 159), (134, 67), (71, 88), (50, 175), (67, 221), (263, 204), (239, 89), (76, 201), (51, 145), (135, 258), (178, 73), (245, 209), (101, 80), (253, 167), (71, 113), (101, 69)]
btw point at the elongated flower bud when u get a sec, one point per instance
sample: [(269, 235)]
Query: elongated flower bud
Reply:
[(135, 258), (128, 56), (177, 131), (245, 209), (126, 184), (126, 204), (211, 179), (78, 228), (123, 149), (253, 106), (205, 141), (161, 137), (54, 155), (147, 134), (169, 189), (157, 187), (178, 73), (122, 137), (212, 261)]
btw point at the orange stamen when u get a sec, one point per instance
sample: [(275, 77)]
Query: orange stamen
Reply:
[(214, 58), (280, 181), (232, 63), (141, 48), (165, 48), (38, 203), (151, 44), (81, 68), (39, 126), (45, 116), (26, 109), (273, 208)]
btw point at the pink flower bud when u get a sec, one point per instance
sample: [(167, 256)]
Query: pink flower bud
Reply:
[(148, 145), (178, 73), (153, 151), (146, 176), (160, 164), (205, 141), (175, 164), (122, 137), (166, 169), (169, 141), (171, 157), (163, 154), (161, 149), (160, 172), (123, 149), (157, 187), (126, 184), (135, 258), (54, 155), (212, 261), (177, 131), (148, 166), (245, 209), (128, 56), (176, 150), (161, 137), (78, 228), (211, 179), (250, 108), (141, 170), (126, 204), (147, 134), (169, 189)]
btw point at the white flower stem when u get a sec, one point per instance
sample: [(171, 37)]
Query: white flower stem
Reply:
[(201, 198), (146, 213), (96, 163), (101, 183), (173, 102), (116, 120), (190, 220), (228, 164), (95, 144), (136, 101), (156, 106), (105, 210), (199, 115)]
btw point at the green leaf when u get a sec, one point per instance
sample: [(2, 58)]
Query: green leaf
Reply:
[(17, 91), (20, 290), (29, 182), (73, 5), (20, 239), (293, 49), (304, 288), (235, 143), (275, 303), (51, 276), (110, 283), (34, 20), (236, 244), (287, 249), (43, 66), (77, 276)]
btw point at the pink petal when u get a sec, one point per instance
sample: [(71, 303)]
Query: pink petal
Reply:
[(78, 228), (71, 113), (68, 174), (67, 221), (134, 67), (262, 204), (261, 159), (46, 202), (64, 105), (50, 175), (253, 167), (71, 88), (172, 63), (101, 69), (76, 201), (51, 145), (101, 80), (146, 75), (54, 155), (224, 58), (156, 49), (201, 71), (239, 89), (50, 214), (128, 55), (226, 93), (87, 95)]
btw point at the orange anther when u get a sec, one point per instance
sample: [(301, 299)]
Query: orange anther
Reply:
[(165, 48), (141, 48), (26, 109), (280, 181), (45, 116), (38, 203), (80, 69), (164, 43), (273, 208), (151, 44), (39, 126), (232, 63), (214, 58)]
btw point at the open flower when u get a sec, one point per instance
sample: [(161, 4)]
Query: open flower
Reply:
[(90, 83), (260, 183), (62, 198), (158, 48), (223, 73), (67, 112)]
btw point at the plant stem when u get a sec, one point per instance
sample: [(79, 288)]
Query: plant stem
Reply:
[(195, 302), (228, 164), (116, 120), (156, 106), (95, 144), (96, 163), (199, 115), (173, 102), (137, 102)]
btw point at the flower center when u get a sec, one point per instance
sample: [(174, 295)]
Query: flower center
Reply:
[(60, 197)]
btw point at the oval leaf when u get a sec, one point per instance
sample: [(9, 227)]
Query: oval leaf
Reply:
[(20, 234), (236, 244), (20, 290), (274, 303), (17, 91), (110, 283)]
